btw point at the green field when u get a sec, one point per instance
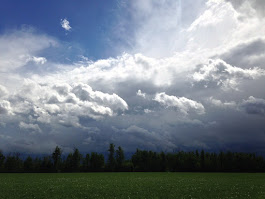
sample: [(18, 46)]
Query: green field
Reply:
[(132, 185)]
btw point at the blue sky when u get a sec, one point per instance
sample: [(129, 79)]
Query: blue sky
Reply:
[(157, 75), (92, 22)]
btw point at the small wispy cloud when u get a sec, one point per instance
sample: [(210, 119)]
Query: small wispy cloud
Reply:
[(37, 60), (140, 93), (65, 24)]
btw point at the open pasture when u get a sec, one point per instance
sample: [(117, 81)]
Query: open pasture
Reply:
[(132, 185)]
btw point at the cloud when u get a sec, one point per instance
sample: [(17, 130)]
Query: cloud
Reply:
[(134, 129), (3, 91), (249, 7), (247, 54), (136, 69), (20, 47), (182, 103), (142, 37), (220, 104), (37, 60), (255, 106), (5, 137), (139, 93), (216, 12), (145, 139), (62, 103), (31, 127), (5, 107), (144, 97), (147, 110), (65, 24), (219, 73), (85, 93)]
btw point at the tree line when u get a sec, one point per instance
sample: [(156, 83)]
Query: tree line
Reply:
[(141, 160)]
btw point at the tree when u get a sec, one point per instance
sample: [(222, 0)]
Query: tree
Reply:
[(202, 160), (37, 164), (111, 159), (120, 158), (76, 160), (46, 165), (163, 160), (96, 162), (28, 164), (197, 159), (141, 160), (68, 163), (56, 156), (13, 163), (138, 161), (86, 163), (2, 161)]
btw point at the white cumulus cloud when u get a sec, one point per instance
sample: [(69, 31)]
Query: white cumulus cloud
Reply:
[(182, 103), (219, 73), (62, 103), (5, 107), (65, 24)]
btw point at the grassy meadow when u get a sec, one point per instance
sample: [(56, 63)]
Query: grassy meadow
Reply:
[(132, 185)]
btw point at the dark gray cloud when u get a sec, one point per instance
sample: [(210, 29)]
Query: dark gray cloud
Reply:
[(245, 5), (254, 106), (247, 54)]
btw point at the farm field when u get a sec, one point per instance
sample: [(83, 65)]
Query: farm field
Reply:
[(132, 185)]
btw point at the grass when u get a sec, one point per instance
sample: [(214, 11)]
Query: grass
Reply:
[(133, 185)]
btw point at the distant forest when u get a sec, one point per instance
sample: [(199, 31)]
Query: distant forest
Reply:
[(141, 160)]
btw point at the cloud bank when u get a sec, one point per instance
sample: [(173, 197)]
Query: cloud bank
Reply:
[(183, 83)]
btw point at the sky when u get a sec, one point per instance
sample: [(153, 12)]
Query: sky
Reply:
[(158, 75)]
